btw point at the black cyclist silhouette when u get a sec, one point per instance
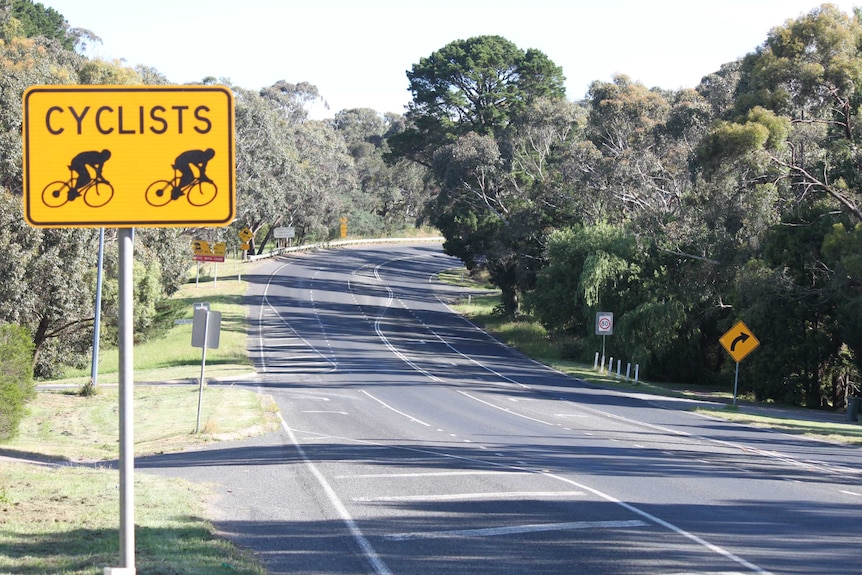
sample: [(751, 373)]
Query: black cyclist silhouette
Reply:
[(190, 180), (94, 188)]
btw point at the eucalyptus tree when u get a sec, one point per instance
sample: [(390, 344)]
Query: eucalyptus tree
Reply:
[(474, 85), (326, 177), (266, 161), (467, 96), (809, 72), (500, 196), (389, 196), (25, 62), (794, 126)]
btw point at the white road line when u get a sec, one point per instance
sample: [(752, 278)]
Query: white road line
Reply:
[(507, 410), (517, 529), (266, 304), (335, 412), (850, 493), (600, 494), (469, 496), (380, 568), (430, 474), (387, 406), (667, 525)]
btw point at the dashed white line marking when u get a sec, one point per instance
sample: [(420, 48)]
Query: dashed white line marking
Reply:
[(517, 529), (469, 496), (432, 474)]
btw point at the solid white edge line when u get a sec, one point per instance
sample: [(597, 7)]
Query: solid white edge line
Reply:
[(649, 516), (387, 406), (368, 550)]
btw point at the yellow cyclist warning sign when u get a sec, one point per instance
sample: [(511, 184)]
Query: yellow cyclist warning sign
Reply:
[(129, 156)]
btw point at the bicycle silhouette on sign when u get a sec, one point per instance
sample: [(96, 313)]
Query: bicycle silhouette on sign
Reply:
[(190, 180), (93, 188)]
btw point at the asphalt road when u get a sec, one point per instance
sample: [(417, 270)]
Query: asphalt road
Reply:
[(413, 443)]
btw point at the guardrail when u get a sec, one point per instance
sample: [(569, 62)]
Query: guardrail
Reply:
[(339, 243)]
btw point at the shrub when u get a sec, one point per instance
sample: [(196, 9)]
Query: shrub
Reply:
[(16, 377)]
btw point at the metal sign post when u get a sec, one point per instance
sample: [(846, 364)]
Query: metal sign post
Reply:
[(127, 418), (604, 327), (205, 334), (738, 341), (126, 157)]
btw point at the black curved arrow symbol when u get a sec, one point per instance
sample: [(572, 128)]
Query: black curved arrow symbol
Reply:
[(741, 338)]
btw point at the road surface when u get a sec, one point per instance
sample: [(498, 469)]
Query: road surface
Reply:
[(413, 443)]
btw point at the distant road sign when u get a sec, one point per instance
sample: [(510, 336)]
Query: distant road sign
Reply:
[(739, 341), (207, 252), (129, 156), (604, 323), (284, 233)]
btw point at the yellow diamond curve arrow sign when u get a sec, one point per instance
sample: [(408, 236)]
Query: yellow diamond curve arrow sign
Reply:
[(739, 341)]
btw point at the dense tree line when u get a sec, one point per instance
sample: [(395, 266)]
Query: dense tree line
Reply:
[(291, 171), (682, 211)]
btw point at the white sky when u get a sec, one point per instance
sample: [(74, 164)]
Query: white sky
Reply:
[(357, 52)]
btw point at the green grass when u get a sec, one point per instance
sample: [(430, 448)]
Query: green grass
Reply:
[(173, 357), (848, 433), (532, 340), (64, 518), (65, 521), (73, 427)]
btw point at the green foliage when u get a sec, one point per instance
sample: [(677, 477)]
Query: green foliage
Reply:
[(730, 140), (650, 331), (588, 268), (16, 377), (34, 19), (474, 85)]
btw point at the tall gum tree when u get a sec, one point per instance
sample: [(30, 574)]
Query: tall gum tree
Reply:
[(466, 97)]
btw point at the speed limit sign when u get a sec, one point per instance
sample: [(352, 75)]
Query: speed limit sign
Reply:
[(604, 323)]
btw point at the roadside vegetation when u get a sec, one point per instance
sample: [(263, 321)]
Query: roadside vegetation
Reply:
[(681, 211), (59, 501), (530, 338)]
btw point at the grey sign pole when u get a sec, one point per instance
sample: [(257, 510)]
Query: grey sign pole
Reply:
[(97, 322), (127, 419), (205, 334), (206, 314)]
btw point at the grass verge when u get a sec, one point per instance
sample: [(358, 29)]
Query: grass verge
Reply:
[(848, 433), (64, 518), (530, 338), (172, 357)]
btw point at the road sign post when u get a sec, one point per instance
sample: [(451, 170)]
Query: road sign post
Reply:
[(126, 157), (738, 341), (604, 327), (205, 334)]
